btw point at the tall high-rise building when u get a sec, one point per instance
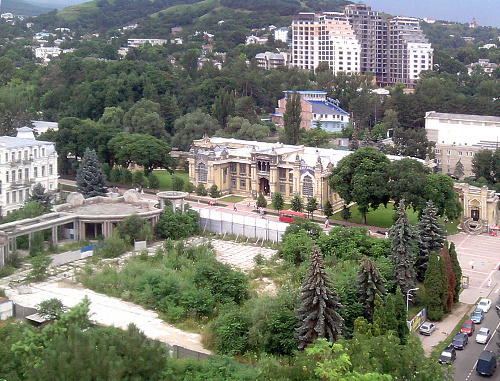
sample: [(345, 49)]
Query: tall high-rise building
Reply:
[(326, 37), (409, 51), (371, 31), (395, 50)]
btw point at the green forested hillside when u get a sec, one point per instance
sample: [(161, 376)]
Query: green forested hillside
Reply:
[(20, 7)]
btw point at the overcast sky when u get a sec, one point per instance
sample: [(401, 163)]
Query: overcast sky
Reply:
[(486, 12)]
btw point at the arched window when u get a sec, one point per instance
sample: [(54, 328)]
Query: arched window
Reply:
[(202, 173), (307, 187)]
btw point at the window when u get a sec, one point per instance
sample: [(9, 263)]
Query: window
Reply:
[(6, 157), (35, 172), (459, 153), (14, 198), (243, 184), (307, 186), (51, 169), (233, 183), (282, 173), (202, 172), (224, 174), (290, 190), (290, 176), (13, 156), (243, 169), (43, 152), (282, 188), (233, 167), (7, 198), (438, 151), (7, 176), (20, 174), (13, 176), (43, 170), (448, 152), (35, 153), (21, 195)]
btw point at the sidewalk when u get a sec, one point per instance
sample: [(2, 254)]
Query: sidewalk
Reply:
[(468, 299)]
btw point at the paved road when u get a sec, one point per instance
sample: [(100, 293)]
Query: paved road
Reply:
[(466, 359)]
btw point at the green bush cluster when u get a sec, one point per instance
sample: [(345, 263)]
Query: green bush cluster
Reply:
[(178, 282), (176, 225)]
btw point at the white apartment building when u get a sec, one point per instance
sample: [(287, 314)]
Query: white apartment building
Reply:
[(460, 137), (136, 42), (24, 162), (409, 51), (326, 37), (281, 34), (45, 52)]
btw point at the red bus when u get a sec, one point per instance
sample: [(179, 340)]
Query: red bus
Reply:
[(290, 216)]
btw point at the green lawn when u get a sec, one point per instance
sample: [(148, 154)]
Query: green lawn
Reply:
[(382, 218), (232, 198), (166, 178)]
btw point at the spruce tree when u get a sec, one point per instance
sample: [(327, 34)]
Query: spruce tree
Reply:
[(459, 169), (451, 281), (403, 237), (318, 314), (90, 179), (431, 238), (391, 324), (401, 315), (39, 195), (457, 270), (379, 313), (370, 284), (436, 287)]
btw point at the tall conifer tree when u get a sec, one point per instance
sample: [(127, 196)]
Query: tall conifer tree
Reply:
[(403, 237), (436, 286), (318, 314), (457, 270), (401, 315), (370, 283), (90, 178), (450, 275), (292, 119), (431, 238)]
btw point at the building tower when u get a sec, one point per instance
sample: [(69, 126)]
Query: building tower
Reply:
[(327, 37)]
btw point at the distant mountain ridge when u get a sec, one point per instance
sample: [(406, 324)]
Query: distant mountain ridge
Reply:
[(21, 7)]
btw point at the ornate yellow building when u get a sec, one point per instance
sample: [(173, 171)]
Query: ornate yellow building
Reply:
[(480, 207), (249, 167)]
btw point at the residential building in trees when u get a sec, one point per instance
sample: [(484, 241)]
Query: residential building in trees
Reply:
[(270, 60), (326, 37), (316, 108), (460, 137), (24, 162)]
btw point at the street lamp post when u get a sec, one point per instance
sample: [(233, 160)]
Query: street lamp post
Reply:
[(408, 297)]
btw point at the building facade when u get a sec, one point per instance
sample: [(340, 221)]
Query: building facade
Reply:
[(270, 60), (24, 162), (360, 40), (249, 167), (460, 137), (480, 207), (326, 37), (316, 108)]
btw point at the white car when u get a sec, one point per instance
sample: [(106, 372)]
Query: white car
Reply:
[(483, 335), (484, 304), (427, 328)]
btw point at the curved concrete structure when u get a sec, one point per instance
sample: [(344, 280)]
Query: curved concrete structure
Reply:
[(173, 197)]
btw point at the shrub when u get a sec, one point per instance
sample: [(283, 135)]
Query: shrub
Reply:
[(176, 225), (39, 266), (201, 190), (154, 182), (115, 175), (189, 187), (134, 228), (231, 332), (214, 191), (138, 178), (126, 176), (177, 183), (113, 247)]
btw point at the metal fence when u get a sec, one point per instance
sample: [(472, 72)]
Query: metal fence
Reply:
[(237, 225)]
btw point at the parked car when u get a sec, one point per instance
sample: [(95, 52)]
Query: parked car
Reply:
[(484, 304), (468, 327), (486, 364), (483, 335), (477, 316), (448, 355), (460, 341), (427, 328)]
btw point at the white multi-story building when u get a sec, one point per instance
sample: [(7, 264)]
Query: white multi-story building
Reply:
[(136, 42), (326, 37), (24, 162), (460, 137), (45, 52), (281, 34)]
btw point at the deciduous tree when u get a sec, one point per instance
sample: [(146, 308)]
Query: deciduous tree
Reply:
[(296, 203), (278, 201)]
